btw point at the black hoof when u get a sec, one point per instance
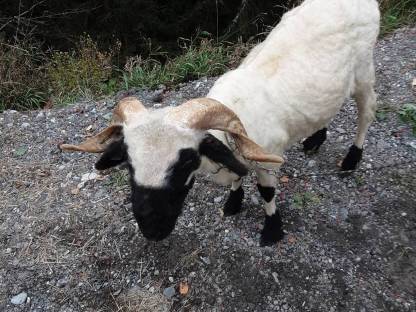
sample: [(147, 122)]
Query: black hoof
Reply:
[(234, 202), (272, 231), (312, 143), (352, 159)]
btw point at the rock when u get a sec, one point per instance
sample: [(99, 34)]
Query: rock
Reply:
[(254, 200), (343, 214), (217, 199), (169, 292), (19, 299), (206, 260), (62, 282), (88, 176)]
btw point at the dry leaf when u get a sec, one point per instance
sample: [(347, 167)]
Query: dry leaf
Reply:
[(291, 239), (284, 179), (183, 288)]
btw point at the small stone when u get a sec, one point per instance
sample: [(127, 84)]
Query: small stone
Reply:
[(170, 279), (343, 213), (403, 214), (311, 163), (25, 125), (156, 273), (217, 199), (62, 282), (254, 200), (89, 176), (206, 260), (19, 299), (275, 277), (169, 292), (340, 130)]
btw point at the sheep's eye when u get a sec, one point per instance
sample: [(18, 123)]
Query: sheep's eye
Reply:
[(188, 162)]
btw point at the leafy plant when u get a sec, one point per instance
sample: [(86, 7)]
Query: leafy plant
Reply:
[(408, 115)]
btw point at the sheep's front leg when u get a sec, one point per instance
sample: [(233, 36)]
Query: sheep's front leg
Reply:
[(235, 199), (272, 231)]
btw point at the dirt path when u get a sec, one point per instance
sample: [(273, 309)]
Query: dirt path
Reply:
[(351, 243)]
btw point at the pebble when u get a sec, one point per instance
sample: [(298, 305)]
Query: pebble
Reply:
[(62, 282), (19, 299), (254, 200), (169, 292), (217, 199)]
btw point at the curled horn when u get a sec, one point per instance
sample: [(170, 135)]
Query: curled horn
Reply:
[(206, 113), (124, 111)]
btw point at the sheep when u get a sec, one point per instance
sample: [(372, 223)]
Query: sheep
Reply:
[(289, 87)]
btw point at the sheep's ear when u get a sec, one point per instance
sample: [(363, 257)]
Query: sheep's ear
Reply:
[(115, 154), (215, 150)]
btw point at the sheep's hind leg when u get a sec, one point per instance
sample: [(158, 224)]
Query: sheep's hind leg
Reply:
[(272, 231), (235, 199), (366, 103), (312, 143)]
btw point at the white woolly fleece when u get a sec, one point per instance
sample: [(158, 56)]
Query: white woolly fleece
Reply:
[(295, 82)]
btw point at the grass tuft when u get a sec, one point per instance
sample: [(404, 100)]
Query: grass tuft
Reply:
[(205, 59), (408, 115), (396, 14), (87, 70)]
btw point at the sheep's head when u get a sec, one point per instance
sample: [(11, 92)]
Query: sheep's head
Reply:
[(164, 148)]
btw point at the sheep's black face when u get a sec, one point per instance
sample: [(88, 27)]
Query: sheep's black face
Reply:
[(157, 209), (162, 175)]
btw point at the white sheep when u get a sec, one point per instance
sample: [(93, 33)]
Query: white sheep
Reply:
[(289, 87)]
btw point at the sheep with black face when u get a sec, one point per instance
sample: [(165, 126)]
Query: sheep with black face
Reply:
[(289, 87), (164, 148)]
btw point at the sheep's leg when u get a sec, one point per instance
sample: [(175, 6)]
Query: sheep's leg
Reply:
[(366, 104), (312, 143), (272, 231), (235, 199)]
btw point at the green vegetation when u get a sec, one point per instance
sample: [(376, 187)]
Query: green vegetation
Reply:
[(304, 199), (31, 78), (408, 115), (74, 74), (397, 13), (205, 59), (22, 83), (118, 179)]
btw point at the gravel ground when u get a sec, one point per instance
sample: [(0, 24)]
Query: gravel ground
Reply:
[(68, 240)]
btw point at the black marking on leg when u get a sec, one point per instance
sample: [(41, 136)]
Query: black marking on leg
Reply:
[(272, 231), (234, 202), (266, 192), (312, 143), (352, 159)]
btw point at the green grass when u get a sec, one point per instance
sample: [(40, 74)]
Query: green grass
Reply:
[(205, 59), (118, 179), (303, 199), (396, 14), (29, 78), (408, 115)]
